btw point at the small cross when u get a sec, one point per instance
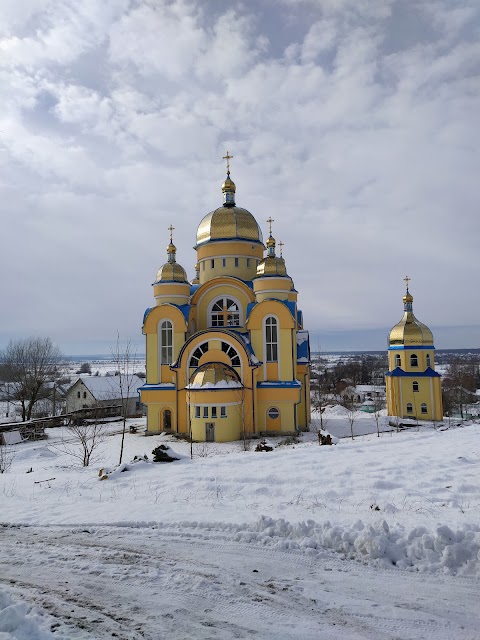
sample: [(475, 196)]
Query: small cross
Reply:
[(171, 229), (281, 245), (407, 280), (270, 220), (228, 157)]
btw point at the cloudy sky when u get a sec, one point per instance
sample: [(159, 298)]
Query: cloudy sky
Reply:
[(355, 124)]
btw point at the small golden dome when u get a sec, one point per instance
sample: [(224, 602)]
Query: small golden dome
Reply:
[(410, 331), (171, 248), (228, 185), (229, 223), (171, 272), (214, 374), (271, 266)]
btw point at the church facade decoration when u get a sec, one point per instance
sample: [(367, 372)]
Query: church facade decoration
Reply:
[(412, 384), (227, 354)]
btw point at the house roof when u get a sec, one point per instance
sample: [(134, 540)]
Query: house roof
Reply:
[(108, 387)]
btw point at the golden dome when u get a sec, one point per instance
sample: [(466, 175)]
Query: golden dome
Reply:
[(171, 272), (214, 374), (229, 223), (271, 266), (228, 185), (410, 331)]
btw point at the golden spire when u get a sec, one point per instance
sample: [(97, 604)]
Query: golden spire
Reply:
[(281, 245), (270, 220), (407, 298), (228, 187), (171, 249), (228, 157)]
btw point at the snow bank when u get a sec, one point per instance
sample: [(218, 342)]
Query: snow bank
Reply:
[(18, 621), (442, 550)]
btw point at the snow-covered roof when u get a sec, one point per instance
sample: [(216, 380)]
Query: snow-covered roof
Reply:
[(108, 387)]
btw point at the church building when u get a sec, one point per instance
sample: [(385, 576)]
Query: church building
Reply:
[(413, 385), (227, 354)]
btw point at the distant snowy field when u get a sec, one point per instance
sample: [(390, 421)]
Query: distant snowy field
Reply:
[(391, 519)]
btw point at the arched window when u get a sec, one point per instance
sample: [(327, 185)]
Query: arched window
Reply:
[(166, 342), (409, 408), (232, 354), (414, 360), (415, 386), (198, 353), (225, 313), (271, 339), (398, 361), (424, 408), (428, 360), (167, 420)]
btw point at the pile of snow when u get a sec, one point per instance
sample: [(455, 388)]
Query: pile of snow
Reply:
[(442, 550), (18, 621)]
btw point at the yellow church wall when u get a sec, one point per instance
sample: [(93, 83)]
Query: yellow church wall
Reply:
[(271, 287), (155, 372), (400, 393), (175, 293), (284, 423), (164, 312), (405, 359), (241, 260), (303, 409), (225, 429)]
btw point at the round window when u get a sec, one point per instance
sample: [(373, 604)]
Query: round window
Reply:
[(273, 413)]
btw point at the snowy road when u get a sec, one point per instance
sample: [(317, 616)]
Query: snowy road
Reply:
[(173, 583)]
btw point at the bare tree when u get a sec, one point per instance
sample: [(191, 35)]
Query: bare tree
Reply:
[(350, 406), (83, 438), (6, 457), (28, 364), (124, 357)]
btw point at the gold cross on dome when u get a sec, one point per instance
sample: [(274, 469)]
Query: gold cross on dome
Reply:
[(171, 229), (281, 245), (228, 157), (270, 220), (407, 280)]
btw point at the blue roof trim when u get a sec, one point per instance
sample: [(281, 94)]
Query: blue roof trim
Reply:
[(300, 317), (147, 311), (280, 384), (291, 306), (250, 306), (401, 347), (400, 373), (185, 309), (303, 349), (230, 239), (245, 337), (193, 288), (169, 282), (157, 387)]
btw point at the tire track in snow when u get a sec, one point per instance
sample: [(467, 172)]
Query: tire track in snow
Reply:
[(184, 585)]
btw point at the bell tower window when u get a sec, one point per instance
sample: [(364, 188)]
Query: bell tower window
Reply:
[(398, 361), (414, 360)]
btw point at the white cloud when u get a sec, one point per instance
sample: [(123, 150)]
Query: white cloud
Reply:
[(115, 116)]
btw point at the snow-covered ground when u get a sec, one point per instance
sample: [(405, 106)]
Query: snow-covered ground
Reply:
[(376, 537)]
